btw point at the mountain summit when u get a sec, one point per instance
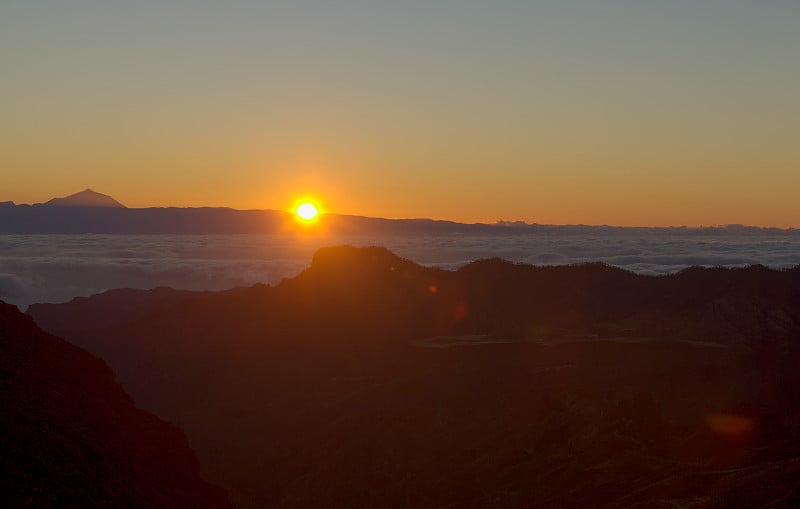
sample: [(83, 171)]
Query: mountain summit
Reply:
[(86, 198)]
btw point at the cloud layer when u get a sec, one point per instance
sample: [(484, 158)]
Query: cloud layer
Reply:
[(56, 268)]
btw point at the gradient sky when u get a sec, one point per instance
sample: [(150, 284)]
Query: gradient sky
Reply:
[(625, 112)]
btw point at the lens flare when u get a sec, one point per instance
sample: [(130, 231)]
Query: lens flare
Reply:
[(730, 425)]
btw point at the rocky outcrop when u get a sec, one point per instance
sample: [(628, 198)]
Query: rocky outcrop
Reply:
[(71, 437)]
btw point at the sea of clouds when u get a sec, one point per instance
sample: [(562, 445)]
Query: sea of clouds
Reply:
[(57, 268)]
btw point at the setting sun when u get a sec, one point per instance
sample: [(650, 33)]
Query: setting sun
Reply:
[(307, 211)]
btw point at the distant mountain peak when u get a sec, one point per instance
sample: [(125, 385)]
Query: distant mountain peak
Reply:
[(86, 198)]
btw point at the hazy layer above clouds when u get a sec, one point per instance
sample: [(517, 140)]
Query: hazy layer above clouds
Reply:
[(56, 268)]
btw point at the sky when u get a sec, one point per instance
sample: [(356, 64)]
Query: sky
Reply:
[(621, 112)]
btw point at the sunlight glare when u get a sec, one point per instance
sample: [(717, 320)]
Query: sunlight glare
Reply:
[(307, 211)]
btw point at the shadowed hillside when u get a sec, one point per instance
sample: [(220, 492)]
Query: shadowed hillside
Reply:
[(71, 437), (369, 381)]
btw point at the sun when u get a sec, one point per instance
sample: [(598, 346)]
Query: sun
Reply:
[(306, 211)]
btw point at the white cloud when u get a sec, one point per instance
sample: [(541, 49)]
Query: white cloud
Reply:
[(56, 268), (11, 287)]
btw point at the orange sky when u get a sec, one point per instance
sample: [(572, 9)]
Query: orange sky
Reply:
[(542, 112)]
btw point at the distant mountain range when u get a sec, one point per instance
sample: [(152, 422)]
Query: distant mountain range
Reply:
[(92, 212), (371, 381), (71, 437)]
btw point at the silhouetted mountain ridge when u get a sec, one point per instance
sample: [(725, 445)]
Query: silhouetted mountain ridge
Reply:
[(85, 198), (368, 380), (504, 297), (92, 212)]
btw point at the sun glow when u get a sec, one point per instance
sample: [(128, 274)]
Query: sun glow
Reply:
[(307, 211)]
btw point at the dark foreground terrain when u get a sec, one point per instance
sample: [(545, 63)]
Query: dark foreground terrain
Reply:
[(71, 438), (369, 381)]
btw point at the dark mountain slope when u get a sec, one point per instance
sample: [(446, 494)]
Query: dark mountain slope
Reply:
[(71, 437), (370, 381)]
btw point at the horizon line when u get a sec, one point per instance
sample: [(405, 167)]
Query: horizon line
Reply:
[(500, 223)]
